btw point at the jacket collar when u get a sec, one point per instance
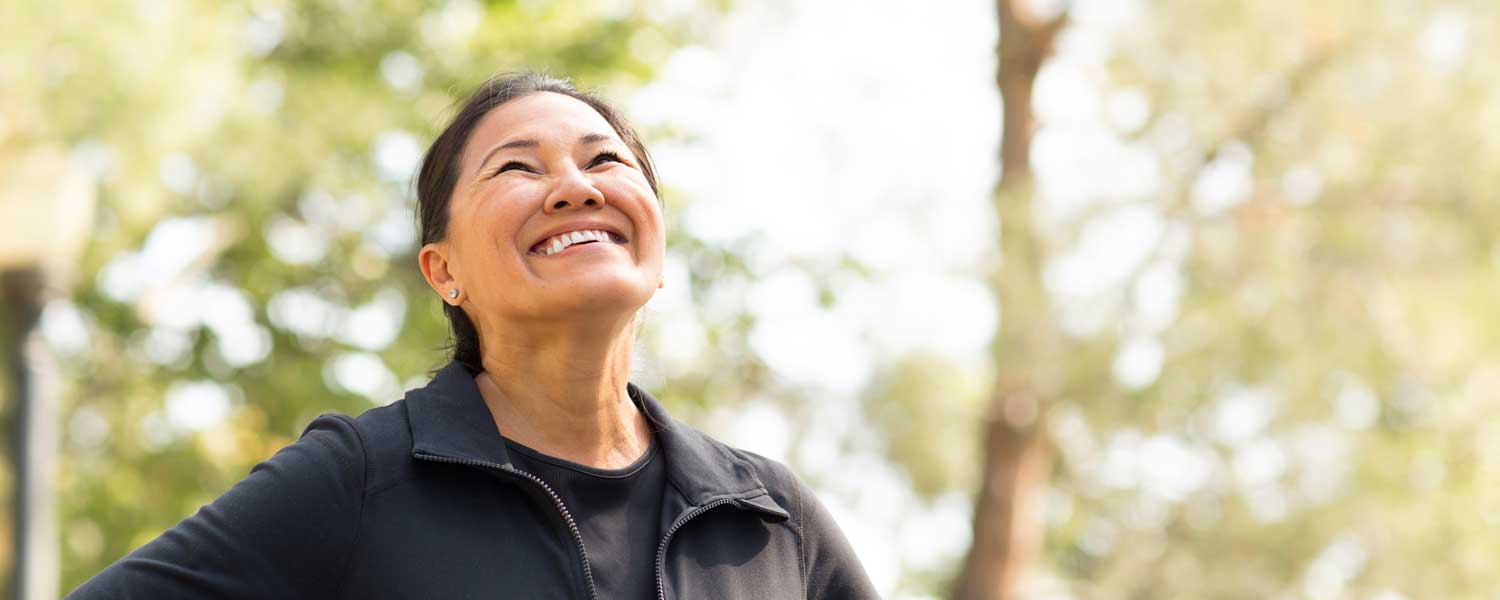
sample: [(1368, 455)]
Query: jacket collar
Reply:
[(449, 418)]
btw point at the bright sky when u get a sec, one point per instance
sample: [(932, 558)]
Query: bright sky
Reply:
[(871, 143)]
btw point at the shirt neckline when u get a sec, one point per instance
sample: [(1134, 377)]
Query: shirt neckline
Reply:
[(620, 473)]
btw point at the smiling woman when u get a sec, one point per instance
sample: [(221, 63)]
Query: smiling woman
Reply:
[(529, 467)]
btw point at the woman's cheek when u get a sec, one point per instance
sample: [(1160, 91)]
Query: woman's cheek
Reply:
[(628, 180), (510, 193)]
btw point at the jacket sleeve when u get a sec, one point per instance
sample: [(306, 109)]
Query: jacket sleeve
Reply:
[(284, 531), (832, 568)]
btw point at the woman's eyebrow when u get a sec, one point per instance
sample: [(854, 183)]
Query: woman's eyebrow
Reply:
[(587, 138), (521, 143), (592, 138)]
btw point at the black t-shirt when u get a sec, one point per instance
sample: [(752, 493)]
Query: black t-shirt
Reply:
[(618, 513)]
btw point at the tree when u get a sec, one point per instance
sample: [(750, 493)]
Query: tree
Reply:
[(1016, 462), (1232, 403)]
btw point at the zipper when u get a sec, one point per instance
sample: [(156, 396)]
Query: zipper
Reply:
[(661, 551), (583, 555)]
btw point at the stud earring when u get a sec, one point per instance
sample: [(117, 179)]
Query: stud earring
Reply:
[(453, 293)]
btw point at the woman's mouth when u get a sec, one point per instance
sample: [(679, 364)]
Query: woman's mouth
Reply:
[(563, 241)]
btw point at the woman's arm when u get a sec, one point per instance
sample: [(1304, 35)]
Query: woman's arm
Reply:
[(833, 570), (285, 531)]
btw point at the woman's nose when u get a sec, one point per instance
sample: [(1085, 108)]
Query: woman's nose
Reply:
[(574, 190)]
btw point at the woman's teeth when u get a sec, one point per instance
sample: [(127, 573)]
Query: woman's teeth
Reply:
[(561, 241)]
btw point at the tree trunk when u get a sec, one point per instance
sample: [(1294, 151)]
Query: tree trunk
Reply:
[(1017, 461)]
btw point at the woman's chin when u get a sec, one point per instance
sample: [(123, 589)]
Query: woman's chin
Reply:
[(598, 294)]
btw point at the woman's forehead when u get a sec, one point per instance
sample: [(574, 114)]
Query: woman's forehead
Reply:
[(545, 117)]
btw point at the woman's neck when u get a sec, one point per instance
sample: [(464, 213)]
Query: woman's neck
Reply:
[(563, 393)]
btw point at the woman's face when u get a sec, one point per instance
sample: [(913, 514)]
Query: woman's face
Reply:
[(534, 170)]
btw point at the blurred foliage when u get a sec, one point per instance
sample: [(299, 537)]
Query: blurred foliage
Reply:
[(926, 406)]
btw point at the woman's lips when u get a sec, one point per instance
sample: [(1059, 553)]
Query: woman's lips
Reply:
[(561, 242)]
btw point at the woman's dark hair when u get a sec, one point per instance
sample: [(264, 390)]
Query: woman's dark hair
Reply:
[(440, 167)]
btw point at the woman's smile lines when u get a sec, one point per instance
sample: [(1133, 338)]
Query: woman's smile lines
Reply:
[(559, 242)]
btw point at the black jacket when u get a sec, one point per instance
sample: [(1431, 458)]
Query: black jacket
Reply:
[(418, 499)]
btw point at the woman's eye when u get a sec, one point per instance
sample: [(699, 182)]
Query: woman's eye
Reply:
[(605, 157), (512, 165)]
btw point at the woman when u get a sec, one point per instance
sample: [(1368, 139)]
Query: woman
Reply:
[(529, 467)]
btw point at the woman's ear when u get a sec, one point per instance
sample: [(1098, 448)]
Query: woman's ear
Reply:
[(433, 259)]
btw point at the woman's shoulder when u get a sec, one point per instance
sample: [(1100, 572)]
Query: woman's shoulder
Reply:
[(380, 426), (831, 566), (378, 441)]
